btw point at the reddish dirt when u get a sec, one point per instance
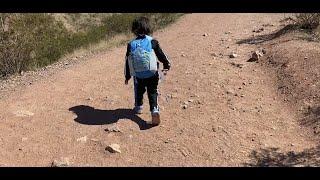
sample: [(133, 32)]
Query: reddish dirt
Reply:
[(234, 111)]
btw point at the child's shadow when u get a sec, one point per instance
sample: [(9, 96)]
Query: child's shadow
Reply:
[(91, 116)]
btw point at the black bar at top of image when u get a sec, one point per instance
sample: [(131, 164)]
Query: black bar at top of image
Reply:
[(159, 6)]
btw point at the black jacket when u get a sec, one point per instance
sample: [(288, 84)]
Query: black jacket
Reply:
[(158, 51)]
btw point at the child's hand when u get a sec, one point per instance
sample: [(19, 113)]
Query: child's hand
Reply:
[(126, 82), (165, 71)]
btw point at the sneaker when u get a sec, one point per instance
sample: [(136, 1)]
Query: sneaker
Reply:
[(138, 109), (155, 114)]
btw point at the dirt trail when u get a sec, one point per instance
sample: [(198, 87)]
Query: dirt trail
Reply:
[(233, 112)]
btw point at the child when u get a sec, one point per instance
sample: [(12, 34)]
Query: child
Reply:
[(141, 63)]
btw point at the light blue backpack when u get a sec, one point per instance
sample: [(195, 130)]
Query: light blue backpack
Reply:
[(142, 59)]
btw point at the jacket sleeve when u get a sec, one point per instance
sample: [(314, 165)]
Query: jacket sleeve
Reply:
[(160, 54), (126, 68)]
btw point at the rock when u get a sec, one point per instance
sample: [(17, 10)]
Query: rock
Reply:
[(23, 113), (113, 128), (94, 140), (174, 96), (89, 98), (185, 154), (63, 162), (185, 106), (291, 144), (255, 56), (114, 148), (183, 55), (82, 139), (306, 57), (229, 32), (259, 30), (233, 55), (205, 34), (214, 54), (190, 100), (242, 95), (236, 65), (230, 91), (244, 83), (263, 51), (66, 63)]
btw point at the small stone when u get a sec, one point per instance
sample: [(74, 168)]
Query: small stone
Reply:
[(82, 139), (255, 56), (89, 98), (185, 106), (214, 54), (183, 55), (205, 34), (190, 100), (184, 153), (174, 96), (113, 129), (306, 57), (94, 140), (114, 148), (242, 95), (233, 55), (23, 113), (263, 51), (244, 83), (229, 92), (292, 144), (63, 162), (66, 63)]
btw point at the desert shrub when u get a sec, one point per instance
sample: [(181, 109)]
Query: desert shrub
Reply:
[(307, 20), (33, 40), (29, 40)]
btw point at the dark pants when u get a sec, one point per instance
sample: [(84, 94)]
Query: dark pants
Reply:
[(151, 86)]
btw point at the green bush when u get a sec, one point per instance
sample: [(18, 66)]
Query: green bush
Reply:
[(33, 40)]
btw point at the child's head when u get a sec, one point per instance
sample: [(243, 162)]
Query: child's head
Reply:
[(141, 26)]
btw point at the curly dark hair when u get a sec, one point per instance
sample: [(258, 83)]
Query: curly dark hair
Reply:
[(141, 25)]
